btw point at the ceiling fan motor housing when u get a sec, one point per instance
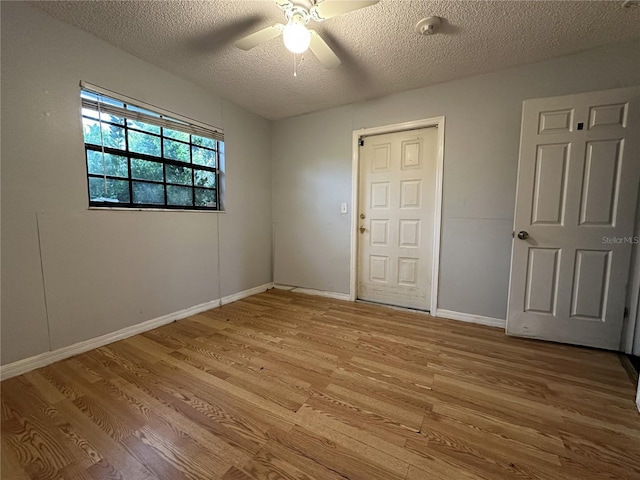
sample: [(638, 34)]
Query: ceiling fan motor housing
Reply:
[(297, 15), (305, 8), (293, 8)]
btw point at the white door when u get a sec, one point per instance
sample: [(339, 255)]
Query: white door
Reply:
[(396, 217), (574, 220)]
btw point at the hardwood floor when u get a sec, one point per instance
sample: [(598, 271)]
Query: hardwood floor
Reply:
[(289, 386)]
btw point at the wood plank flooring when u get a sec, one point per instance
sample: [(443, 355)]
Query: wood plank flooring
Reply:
[(289, 386)]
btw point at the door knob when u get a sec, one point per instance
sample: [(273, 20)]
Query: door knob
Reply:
[(523, 235), (362, 229)]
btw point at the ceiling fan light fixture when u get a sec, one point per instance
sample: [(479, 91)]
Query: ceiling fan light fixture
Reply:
[(297, 37)]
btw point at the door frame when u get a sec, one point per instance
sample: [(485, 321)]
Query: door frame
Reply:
[(439, 123)]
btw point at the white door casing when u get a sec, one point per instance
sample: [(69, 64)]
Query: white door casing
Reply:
[(576, 199), (397, 199)]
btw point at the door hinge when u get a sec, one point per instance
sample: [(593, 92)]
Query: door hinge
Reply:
[(361, 141), (626, 312)]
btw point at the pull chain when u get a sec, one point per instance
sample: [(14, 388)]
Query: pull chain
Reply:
[(104, 162), (297, 63)]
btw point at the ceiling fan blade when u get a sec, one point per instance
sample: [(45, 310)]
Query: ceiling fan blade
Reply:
[(323, 51), (333, 8), (262, 36)]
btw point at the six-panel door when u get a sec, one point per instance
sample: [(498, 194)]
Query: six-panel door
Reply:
[(397, 201), (576, 201)]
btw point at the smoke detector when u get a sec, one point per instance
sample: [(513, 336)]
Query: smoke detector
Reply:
[(428, 26)]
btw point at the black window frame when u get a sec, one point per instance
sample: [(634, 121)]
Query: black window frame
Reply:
[(129, 155)]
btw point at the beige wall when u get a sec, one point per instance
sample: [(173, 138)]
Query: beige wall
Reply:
[(70, 274), (312, 173)]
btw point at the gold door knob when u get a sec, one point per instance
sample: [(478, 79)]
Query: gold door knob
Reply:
[(362, 229)]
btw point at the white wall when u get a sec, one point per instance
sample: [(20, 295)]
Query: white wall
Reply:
[(101, 271), (312, 176)]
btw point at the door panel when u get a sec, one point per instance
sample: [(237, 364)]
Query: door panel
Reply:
[(542, 280), (380, 233), (601, 182), (590, 284), (380, 196), (397, 199), (577, 189), (549, 188)]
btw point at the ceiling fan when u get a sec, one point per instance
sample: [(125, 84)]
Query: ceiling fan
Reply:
[(297, 37)]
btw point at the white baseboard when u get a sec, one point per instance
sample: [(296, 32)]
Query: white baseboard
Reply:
[(312, 291), (322, 293), (246, 293), (470, 318), (47, 358)]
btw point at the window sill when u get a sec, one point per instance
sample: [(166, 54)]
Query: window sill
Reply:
[(126, 209)]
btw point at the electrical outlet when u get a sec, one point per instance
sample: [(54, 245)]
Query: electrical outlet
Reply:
[(344, 208)]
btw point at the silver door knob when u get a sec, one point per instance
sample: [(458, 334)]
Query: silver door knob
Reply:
[(523, 235)]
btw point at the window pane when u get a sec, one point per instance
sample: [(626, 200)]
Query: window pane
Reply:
[(147, 127), (113, 165), (205, 198), (145, 170), (108, 190), (150, 193), (176, 151), (91, 130), (205, 179), (143, 143), (179, 175), (180, 196), (176, 135), (111, 135), (203, 157), (204, 142)]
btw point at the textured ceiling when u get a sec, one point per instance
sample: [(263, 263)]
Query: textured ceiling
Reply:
[(381, 53)]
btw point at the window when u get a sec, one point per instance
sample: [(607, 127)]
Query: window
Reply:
[(140, 158)]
